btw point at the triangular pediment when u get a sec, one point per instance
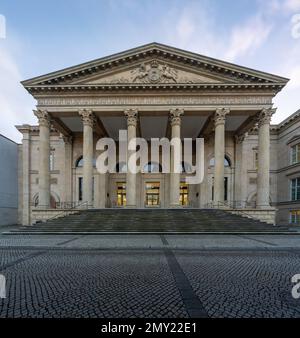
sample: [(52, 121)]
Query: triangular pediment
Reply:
[(157, 64), (153, 71)]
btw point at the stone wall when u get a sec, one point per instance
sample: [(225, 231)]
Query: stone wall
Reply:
[(42, 215), (8, 182), (263, 215)]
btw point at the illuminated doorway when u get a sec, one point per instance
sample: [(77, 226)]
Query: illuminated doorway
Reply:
[(152, 194), (121, 194), (184, 194)]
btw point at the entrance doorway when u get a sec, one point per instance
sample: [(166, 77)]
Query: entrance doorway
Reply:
[(184, 194), (152, 194), (121, 194)]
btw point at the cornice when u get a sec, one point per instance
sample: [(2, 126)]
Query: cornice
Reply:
[(287, 122), (273, 88), (32, 129)]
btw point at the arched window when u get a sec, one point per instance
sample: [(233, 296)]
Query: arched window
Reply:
[(186, 167), (79, 162), (121, 167), (227, 162), (152, 167)]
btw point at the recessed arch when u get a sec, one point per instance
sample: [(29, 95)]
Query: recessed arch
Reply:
[(121, 167), (80, 161), (186, 167), (54, 199), (152, 167), (251, 199), (227, 162)]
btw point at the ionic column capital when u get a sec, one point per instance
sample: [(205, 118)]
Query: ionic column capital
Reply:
[(43, 118), (132, 116), (87, 117), (220, 115), (264, 117), (175, 116)]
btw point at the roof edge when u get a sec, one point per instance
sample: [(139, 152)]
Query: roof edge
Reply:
[(147, 47)]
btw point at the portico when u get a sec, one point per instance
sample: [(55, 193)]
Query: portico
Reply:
[(173, 122), (153, 91)]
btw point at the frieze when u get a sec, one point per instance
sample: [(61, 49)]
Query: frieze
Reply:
[(157, 100)]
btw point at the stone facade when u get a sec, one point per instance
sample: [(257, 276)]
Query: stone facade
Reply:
[(157, 91), (8, 181)]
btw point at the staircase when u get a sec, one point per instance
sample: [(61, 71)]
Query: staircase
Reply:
[(151, 221)]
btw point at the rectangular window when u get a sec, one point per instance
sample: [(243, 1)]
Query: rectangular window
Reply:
[(256, 159), (51, 162), (295, 217), (225, 189), (295, 154), (80, 189), (295, 189)]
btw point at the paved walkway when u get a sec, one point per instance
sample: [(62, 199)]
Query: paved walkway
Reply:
[(149, 276), (187, 242)]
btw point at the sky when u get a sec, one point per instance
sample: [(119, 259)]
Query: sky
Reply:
[(37, 37)]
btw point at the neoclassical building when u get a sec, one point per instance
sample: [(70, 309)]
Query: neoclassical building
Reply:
[(157, 91)]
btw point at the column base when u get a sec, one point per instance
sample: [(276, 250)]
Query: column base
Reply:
[(175, 206)]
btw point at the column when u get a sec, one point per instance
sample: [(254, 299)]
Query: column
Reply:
[(263, 170), (219, 120), (44, 158), (241, 178), (100, 191), (132, 116), (67, 187), (88, 119), (175, 120)]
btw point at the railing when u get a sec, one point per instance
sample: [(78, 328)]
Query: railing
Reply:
[(58, 205), (231, 205), (83, 205), (67, 205)]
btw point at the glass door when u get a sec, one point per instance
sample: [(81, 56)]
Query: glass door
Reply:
[(121, 194), (152, 194), (184, 194)]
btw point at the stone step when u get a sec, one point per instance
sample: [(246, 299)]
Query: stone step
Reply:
[(150, 220)]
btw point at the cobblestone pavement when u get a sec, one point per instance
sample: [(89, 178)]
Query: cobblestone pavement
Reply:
[(164, 283), (152, 241)]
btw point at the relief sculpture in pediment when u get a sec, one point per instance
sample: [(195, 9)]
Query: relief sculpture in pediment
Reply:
[(153, 73)]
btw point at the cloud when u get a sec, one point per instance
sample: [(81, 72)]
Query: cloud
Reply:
[(273, 7), (15, 104), (247, 38), (185, 27), (287, 101), (291, 5), (196, 29), (193, 28)]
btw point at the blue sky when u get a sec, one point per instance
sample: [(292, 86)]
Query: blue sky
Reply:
[(43, 36)]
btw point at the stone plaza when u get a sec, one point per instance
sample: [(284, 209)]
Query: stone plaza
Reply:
[(205, 276)]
